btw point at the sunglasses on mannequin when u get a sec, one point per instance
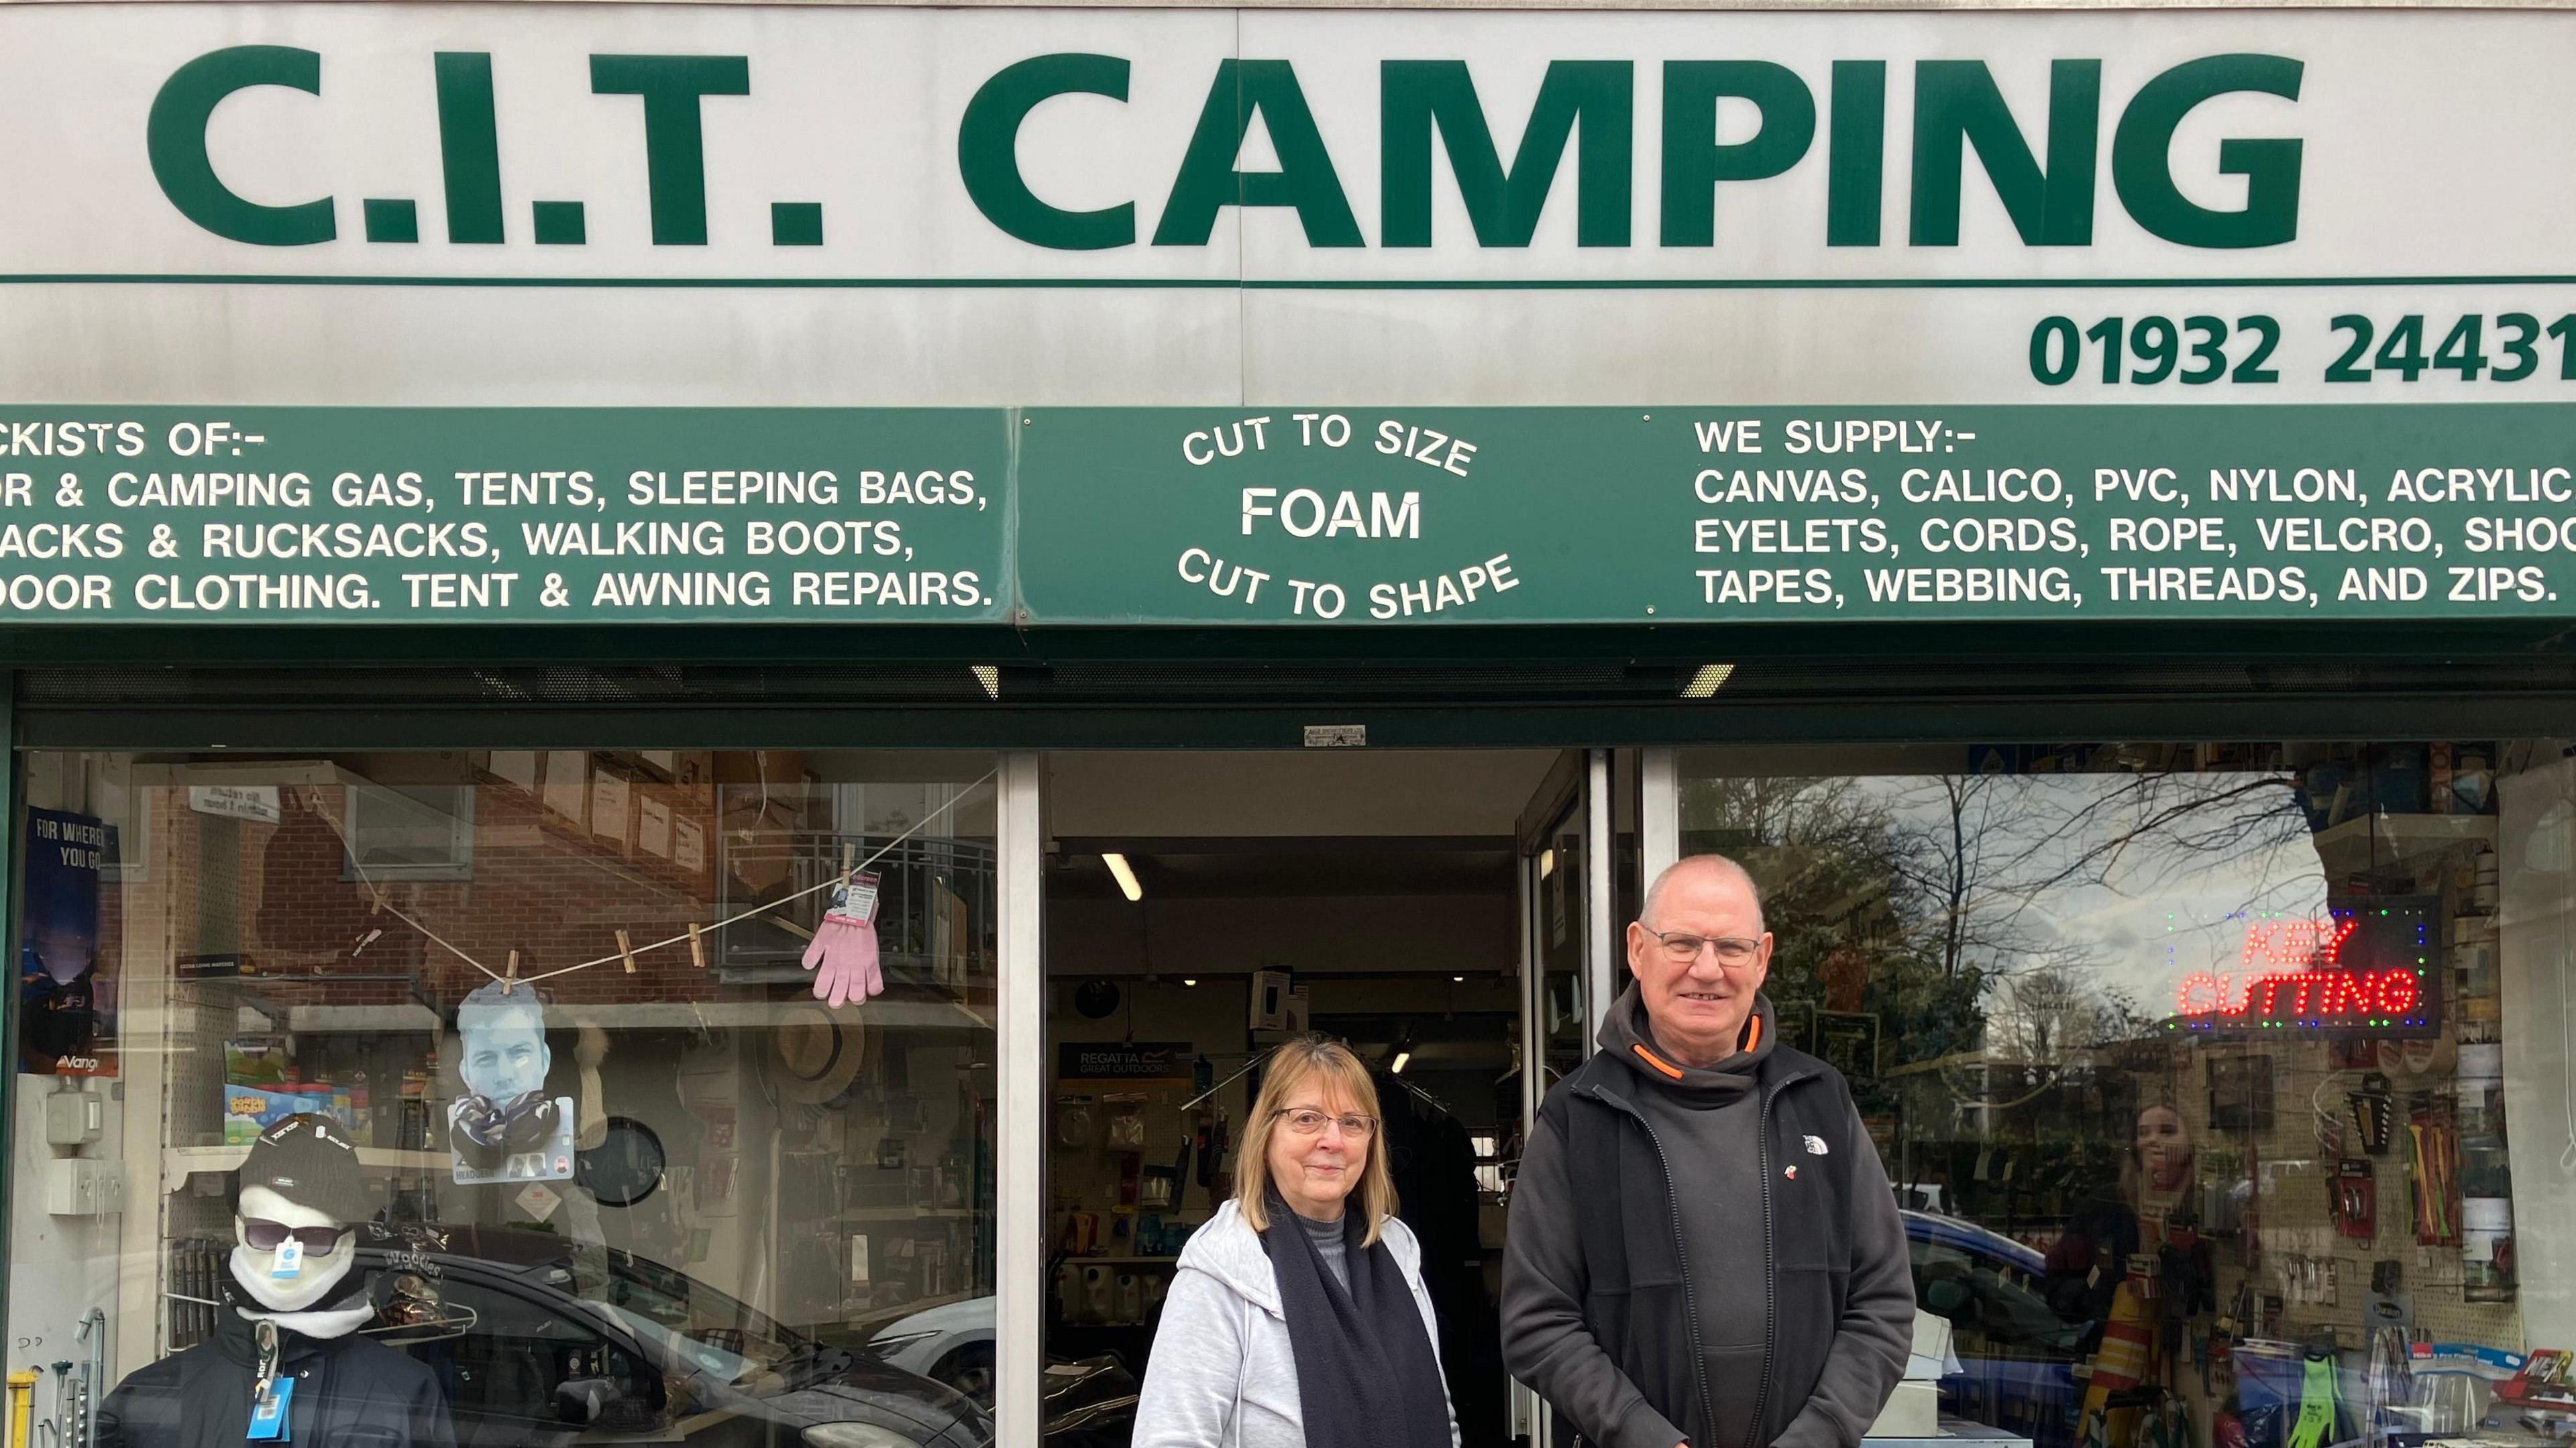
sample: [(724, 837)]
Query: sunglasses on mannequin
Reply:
[(263, 1235)]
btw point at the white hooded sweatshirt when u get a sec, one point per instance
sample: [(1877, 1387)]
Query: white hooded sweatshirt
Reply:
[(1222, 1374)]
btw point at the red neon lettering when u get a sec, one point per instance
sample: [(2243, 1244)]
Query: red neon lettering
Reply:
[(2296, 944), (2347, 993), (2301, 994), (2399, 992)]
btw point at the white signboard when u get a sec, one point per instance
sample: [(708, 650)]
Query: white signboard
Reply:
[(257, 803), (664, 204)]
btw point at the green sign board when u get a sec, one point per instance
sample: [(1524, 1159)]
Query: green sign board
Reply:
[(1287, 516), (396, 515), (1445, 515)]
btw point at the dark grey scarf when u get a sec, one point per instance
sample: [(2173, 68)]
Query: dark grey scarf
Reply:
[(1366, 1374)]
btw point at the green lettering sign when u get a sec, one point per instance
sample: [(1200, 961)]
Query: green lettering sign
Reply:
[(675, 146), (1856, 174), (1956, 105), (174, 136), (1504, 206), (1208, 181), (469, 146), (2142, 156), (988, 160), (1693, 160)]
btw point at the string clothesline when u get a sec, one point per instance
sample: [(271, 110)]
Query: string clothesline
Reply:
[(626, 954)]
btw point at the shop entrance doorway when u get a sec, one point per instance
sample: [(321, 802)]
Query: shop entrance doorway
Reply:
[(1432, 910)]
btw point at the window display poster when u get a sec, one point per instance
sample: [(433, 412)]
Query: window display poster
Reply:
[(67, 1010), (507, 1127)]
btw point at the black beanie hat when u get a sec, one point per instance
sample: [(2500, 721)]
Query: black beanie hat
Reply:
[(310, 1161)]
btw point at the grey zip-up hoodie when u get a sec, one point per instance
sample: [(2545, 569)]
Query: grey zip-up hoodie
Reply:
[(1706, 1127)]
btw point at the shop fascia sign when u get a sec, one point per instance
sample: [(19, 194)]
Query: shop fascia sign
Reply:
[(1428, 109)]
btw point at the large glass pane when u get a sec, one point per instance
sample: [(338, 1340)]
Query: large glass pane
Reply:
[(1559, 920), (498, 1086), (2200, 1069)]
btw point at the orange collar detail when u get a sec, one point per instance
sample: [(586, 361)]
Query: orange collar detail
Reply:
[(1752, 1038), (1658, 1062)]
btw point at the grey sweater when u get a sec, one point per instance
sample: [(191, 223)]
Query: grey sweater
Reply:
[(1708, 1125)]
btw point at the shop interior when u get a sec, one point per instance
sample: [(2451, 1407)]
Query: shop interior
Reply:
[(1200, 908)]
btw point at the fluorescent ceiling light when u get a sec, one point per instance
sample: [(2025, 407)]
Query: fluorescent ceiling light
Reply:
[(1126, 877), (1546, 863), (1709, 679), (1403, 1058), (1458, 979), (989, 676), (1189, 980)]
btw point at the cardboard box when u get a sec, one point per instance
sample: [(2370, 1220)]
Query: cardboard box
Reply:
[(1912, 1411)]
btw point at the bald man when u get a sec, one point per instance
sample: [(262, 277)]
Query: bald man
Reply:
[(1704, 1251)]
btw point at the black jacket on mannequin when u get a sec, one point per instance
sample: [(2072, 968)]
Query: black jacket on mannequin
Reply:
[(350, 1391)]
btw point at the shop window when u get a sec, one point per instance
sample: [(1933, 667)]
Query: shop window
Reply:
[(411, 831), (2194, 1066), (498, 1065)]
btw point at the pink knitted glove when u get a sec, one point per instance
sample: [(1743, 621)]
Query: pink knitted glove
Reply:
[(843, 956)]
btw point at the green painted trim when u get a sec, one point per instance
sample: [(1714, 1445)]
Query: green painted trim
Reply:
[(2421, 715), (1272, 284), (487, 646)]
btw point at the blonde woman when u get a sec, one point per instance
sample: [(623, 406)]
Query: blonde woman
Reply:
[(1298, 1318)]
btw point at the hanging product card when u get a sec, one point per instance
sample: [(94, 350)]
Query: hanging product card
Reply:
[(271, 1412), (66, 1009), (290, 1258)]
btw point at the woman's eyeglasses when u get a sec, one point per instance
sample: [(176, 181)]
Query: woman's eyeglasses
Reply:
[(263, 1235), (1311, 1123)]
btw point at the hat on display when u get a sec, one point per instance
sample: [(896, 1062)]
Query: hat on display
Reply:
[(819, 1054), (310, 1161)]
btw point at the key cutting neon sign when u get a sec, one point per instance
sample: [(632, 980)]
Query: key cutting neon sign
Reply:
[(2365, 967)]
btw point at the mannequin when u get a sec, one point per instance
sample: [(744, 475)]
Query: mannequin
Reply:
[(506, 1128), (287, 1365)]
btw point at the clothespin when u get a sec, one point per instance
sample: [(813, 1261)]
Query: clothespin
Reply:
[(626, 951), (376, 898), (697, 949), (510, 976), (849, 857)]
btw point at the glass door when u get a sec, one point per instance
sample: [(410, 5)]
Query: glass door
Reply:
[(1565, 883)]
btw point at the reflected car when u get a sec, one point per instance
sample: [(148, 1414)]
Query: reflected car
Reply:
[(1090, 1402), (2017, 1354), (538, 1340), (951, 1344)]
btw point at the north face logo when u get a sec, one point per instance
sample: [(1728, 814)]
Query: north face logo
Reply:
[(1815, 1146)]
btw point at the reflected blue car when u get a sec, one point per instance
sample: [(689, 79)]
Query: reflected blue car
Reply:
[(2017, 1354)]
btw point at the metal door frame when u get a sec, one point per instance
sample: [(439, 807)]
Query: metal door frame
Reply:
[(1577, 789)]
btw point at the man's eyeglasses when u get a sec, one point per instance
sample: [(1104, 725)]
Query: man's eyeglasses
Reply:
[(1311, 1123), (1733, 951), (263, 1235)]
